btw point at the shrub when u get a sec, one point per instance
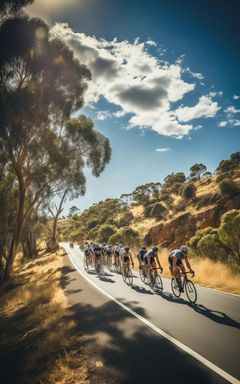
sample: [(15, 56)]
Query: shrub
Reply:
[(92, 223), (93, 233), (229, 233), (126, 219), (116, 238), (105, 232), (158, 211), (130, 236), (180, 206), (188, 191), (229, 188)]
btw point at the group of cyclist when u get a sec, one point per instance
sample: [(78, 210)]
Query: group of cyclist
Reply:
[(121, 257)]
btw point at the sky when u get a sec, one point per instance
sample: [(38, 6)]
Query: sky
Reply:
[(165, 84)]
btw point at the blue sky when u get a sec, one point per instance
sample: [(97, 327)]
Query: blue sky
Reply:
[(165, 77)]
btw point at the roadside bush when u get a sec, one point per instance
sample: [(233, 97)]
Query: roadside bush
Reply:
[(130, 236), (105, 232), (229, 233), (116, 238), (179, 207), (229, 188)]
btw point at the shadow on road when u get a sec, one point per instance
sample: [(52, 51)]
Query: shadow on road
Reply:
[(129, 352)]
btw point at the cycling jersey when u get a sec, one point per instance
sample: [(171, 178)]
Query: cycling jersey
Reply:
[(141, 253), (149, 255), (178, 254), (109, 251), (97, 251), (125, 255), (117, 250)]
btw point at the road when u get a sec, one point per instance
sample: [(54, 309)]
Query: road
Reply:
[(194, 343)]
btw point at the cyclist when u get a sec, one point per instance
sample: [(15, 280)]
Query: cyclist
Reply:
[(150, 259), (175, 261), (97, 253), (88, 254), (140, 255), (126, 257), (109, 253), (116, 250)]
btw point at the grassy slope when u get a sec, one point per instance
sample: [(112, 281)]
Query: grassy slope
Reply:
[(38, 337)]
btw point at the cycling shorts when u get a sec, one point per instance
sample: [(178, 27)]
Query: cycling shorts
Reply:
[(126, 259), (152, 260), (117, 253), (170, 262)]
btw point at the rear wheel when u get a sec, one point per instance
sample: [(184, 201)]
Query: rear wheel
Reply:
[(175, 287), (191, 291)]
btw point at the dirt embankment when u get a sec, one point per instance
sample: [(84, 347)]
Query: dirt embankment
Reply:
[(180, 229)]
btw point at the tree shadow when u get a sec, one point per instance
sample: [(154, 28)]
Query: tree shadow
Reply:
[(129, 351)]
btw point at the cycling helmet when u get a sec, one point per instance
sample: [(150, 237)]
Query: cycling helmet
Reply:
[(184, 249), (144, 248), (126, 248), (155, 249)]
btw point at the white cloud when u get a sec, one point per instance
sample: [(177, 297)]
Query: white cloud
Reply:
[(205, 107), (236, 123), (103, 115), (128, 76), (236, 97), (223, 123), (232, 109), (196, 75), (162, 149)]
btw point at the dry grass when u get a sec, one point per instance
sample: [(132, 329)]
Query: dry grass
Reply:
[(37, 325), (208, 273)]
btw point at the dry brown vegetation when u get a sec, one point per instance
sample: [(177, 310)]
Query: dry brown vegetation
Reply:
[(39, 338), (207, 273)]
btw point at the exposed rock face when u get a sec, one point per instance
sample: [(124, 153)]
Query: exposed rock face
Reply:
[(181, 229)]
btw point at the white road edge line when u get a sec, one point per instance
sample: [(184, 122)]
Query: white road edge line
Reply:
[(180, 345)]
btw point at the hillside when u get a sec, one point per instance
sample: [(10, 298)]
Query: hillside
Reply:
[(194, 210)]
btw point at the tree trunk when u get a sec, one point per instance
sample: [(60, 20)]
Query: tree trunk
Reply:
[(31, 243), (10, 257)]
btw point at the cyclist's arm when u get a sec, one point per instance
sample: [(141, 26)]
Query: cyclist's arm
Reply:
[(175, 263), (130, 255), (158, 262), (188, 265)]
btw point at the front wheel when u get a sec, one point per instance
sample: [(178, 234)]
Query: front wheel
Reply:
[(158, 284), (175, 287), (191, 291), (142, 273), (127, 276)]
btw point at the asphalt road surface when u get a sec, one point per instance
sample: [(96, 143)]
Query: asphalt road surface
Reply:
[(144, 337)]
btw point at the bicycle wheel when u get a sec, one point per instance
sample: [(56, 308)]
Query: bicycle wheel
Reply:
[(85, 263), (158, 284), (142, 274), (129, 276), (175, 288), (191, 291)]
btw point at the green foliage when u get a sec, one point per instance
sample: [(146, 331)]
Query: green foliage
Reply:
[(158, 211), (116, 238), (173, 182), (188, 191), (196, 171), (221, 243), (93, 233), (229, 233), (126, 219), (105, 232), (229, 165), (92, 223), (130, 236), (229, 188)]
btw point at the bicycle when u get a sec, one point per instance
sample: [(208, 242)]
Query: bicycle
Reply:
[(127, 275), (99, 267), (142, 273), (155, 280), (181, 283)]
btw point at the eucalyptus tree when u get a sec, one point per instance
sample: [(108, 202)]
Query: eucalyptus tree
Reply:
[(41, 86)]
